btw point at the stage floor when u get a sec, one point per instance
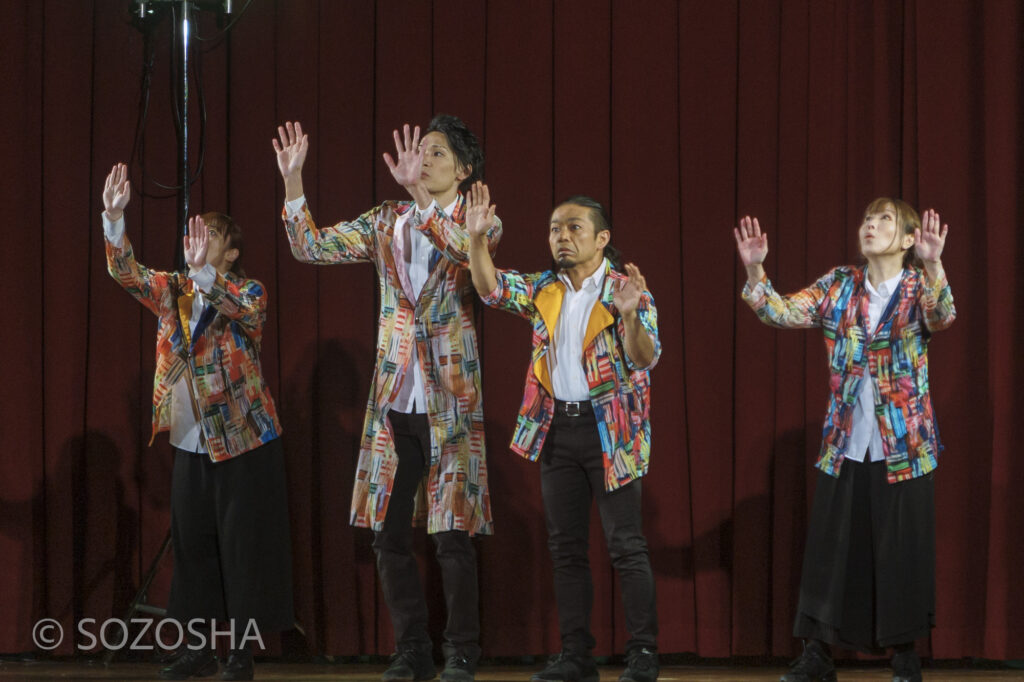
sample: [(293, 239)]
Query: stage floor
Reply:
[(367, 673)]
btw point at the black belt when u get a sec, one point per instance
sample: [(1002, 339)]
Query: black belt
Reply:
[(573, 408)]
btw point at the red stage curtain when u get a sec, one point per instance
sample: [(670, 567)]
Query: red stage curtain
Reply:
[(682, 116)]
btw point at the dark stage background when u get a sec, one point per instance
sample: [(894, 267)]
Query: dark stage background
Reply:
[(682, 116)]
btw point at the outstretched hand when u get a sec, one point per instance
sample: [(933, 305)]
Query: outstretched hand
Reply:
[(627, 296), (929, 238), (292, 149), (407, 169), (751, 243), (479, 210), (196, 243), (117, 192)]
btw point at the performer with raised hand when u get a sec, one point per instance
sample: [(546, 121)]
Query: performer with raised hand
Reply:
[(229, 508), (585, 415), (868, 580), (422, 458)]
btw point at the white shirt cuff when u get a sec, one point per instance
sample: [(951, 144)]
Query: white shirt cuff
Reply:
[(294, 207), (113, 230), (204, 278), (753, 294)]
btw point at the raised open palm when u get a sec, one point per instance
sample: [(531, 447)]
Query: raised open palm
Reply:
[(479, 210), (627, 296), (292, 149), (196, 243), (930, 239), (407, 169), (751, 243), (117, 191)]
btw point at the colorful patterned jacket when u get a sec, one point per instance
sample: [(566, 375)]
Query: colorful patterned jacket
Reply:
[(237, 413), (454, 493), (896, 357), (620, 392)]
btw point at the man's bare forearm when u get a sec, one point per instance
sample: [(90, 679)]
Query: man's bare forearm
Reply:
[(485, 277)]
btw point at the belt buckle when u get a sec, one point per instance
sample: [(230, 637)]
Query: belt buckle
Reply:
[(572, 408)]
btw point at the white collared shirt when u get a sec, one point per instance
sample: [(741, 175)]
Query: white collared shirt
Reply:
[(565, 359), (865, 436), (411, 396), (185, 430)]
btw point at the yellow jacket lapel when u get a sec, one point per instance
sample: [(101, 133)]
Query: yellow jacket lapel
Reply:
[(549, 305)]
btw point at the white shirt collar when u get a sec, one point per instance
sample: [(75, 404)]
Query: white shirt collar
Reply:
[(886, 288), (417, 216), (450, 208), (592, 281), (447, 210)]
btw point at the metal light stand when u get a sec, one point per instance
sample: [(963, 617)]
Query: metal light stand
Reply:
[(187, 8), (184, 175)]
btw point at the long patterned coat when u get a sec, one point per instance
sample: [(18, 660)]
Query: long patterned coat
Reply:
[(620, 392), (237, 413), (454, 493), (896, 356)]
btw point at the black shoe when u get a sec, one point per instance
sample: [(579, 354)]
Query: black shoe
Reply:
[(906, 667), (641, 666), (192, 663), (410, 664), (568, 667), (458, 668), (239, 666), (814, 665)]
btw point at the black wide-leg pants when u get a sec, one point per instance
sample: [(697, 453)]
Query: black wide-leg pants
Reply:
[(231, 540), (868, 579)]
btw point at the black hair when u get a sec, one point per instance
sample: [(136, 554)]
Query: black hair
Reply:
[(602, 222), (463, 143)]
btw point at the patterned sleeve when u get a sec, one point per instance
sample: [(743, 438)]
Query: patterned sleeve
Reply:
[(648, 315), (513, 293), (795, 311), (346, 242), (452, 238), (937, 302), (147, 286), (245, 302)]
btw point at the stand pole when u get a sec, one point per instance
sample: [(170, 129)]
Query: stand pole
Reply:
[(184, 174)]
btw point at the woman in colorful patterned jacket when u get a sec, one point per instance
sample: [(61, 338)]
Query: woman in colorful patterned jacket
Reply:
[(586, 416), (229, 508), (422, 457), (868, 578)]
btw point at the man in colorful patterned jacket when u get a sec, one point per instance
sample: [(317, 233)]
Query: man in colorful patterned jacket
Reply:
[(229, 507), (422, 452), (585, 415)]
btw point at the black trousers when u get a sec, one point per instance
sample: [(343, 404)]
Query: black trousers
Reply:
[(868, 580), (231, 539), (572, 475), (396, 565)]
